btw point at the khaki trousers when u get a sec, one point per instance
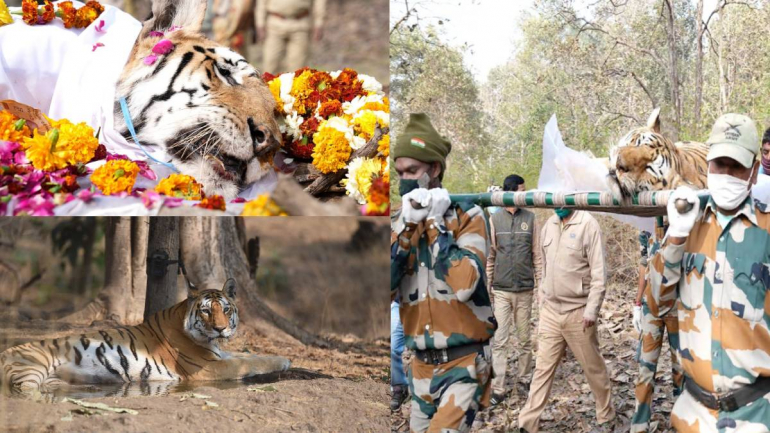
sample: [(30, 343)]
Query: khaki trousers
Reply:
[(556, 331), (513, 311), (287, 40)]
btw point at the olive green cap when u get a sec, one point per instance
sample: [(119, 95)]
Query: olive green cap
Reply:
[(734, 136), (421, 141)]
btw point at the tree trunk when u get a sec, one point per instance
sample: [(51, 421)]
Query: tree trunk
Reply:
[(122, 298), (162, 280), (699, 64), (674, 76)]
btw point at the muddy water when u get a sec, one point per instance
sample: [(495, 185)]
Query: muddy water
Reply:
[(156, 388)]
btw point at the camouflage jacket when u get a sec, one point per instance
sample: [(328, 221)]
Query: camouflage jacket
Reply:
[(439, 271), (718, 280)]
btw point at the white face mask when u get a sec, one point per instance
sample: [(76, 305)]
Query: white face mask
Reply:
[(727, 191)]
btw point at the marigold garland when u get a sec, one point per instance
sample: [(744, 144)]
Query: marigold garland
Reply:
[(180, 186), (64, 144), (263, 205), (215, 202), (12, 128), (332, 149), (118, 175), (378, 199), (81, 18)]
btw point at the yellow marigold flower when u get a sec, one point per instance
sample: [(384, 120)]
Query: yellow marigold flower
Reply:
[(115, 176), (377, 106), (275, 89), (77, 143), (5, 14), (262, 206), (301, 89), (365, 123), (11, 129), (68, 13), (384, 145), (332, 149), (42, 152), (181, 186), (358, 180)]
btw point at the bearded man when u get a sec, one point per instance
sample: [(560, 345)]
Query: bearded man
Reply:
[(715, 263)]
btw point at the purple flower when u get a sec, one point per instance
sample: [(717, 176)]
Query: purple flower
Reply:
[(163, 47), (149, 60)]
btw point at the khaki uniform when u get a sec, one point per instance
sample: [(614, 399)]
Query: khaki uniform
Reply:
[(288, 24), (513, 306), (572, 289), (438, 271), (718, 283)]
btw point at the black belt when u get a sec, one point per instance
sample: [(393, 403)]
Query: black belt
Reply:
[(442, 356), (729, 401)]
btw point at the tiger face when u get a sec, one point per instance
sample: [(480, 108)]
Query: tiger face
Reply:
[(202, 103), (212, 314), (641, 160)]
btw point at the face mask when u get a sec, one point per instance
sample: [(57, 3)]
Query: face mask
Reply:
[(562, 213), (727, 191), (766, 165), (405, 186)]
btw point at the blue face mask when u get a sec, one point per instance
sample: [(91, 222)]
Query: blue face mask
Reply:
[(405, 186), (563, 213)]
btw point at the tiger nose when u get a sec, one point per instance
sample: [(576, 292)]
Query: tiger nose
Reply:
[(219, 328), (259, 133)]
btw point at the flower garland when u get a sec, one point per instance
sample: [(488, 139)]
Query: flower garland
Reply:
[(33, 14), (326, 116), (180, 186)]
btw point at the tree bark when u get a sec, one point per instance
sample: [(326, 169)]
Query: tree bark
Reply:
[(699, 64), (673, 74), (162, 281), (122, 298)]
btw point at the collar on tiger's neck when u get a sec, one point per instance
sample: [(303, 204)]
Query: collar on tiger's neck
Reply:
[(130, 126)]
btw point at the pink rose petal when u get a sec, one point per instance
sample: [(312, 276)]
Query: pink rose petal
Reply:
[(163, 47), (96, 45), (174, 28), (100, 27), (238, 200), (156, 34), (149, 60)]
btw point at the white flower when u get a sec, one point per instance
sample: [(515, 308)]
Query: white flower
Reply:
[(357, 142), (370, 84), (292, 122), (352, 107), (351, 184), (335, 74), (287, 80)]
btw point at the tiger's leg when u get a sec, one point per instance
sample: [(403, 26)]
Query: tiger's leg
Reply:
[(239, 366)]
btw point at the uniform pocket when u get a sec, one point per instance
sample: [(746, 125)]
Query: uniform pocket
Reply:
[(691, 292), (748, 289)]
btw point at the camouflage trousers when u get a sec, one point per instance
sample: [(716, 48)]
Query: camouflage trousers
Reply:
[(689, 415), (647, 354), (446, 397)]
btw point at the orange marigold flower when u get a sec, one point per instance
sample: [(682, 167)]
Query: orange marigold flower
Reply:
[(87, 14), (330, 107), (383, 146), (48, 13), (12, 128), (378, 199), (29, 11), (262, 206), (180, 186), (215, 202), (68, 13), (115, 176)]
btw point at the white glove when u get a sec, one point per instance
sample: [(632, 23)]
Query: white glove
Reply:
[(679, 225), (439, 204), (410, 214), (638, 318)]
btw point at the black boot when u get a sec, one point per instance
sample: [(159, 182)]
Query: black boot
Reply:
[(400, 393)]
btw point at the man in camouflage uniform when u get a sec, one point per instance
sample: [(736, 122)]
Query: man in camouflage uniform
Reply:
[(438, 251), (651, 328), (714, 266)]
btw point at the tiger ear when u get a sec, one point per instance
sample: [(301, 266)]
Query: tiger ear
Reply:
[(187, 14), (229, 288), (653, 122)]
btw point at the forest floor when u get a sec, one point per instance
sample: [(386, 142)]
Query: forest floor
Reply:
[(571, 404)]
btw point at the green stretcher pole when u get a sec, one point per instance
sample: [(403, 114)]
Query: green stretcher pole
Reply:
[(644, 204)]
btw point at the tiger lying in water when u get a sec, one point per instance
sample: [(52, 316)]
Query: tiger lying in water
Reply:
[(177, 344), (645, 160)]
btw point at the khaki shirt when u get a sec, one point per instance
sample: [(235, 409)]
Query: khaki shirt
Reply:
[(291, 8), (574, 273), (537, 256)]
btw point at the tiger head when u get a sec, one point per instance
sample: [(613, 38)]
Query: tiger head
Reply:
[(211, 314), (640, 161), (202, 103)]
